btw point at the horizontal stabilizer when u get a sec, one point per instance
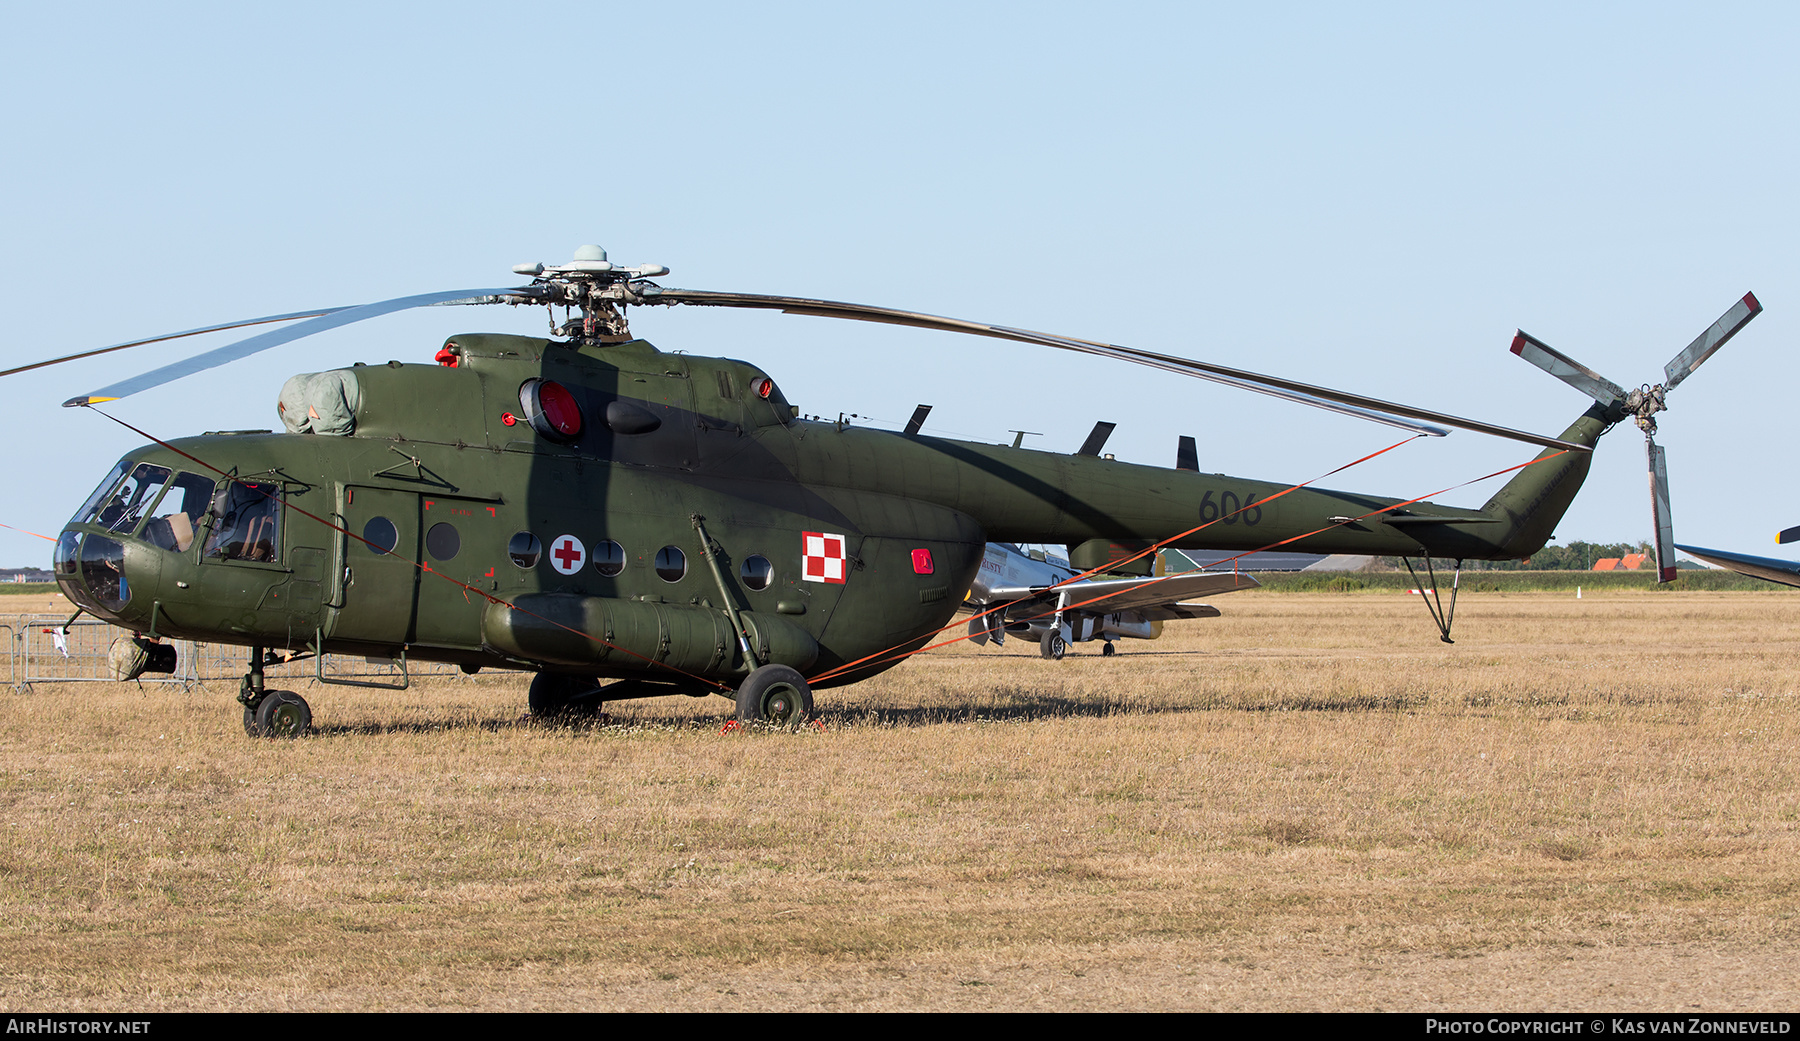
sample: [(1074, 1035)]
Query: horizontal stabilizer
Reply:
[(1402, 521)]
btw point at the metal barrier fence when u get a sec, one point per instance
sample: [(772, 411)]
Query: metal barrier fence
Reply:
[(53, 650), (12, 637)]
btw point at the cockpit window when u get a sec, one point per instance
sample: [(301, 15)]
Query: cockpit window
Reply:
[(91, 509), (175, 519), (133, 498), (250, 528)]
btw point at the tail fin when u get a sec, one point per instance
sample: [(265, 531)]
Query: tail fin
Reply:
[(1534, 501)]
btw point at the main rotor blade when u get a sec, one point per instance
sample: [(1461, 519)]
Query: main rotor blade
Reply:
[(1787, 535), (1567, 369), (1347, 403), (244, 348), (1659, 512), (1683, 364), (174, 336)]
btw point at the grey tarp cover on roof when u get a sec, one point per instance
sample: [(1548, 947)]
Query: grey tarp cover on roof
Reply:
[(320, 403)]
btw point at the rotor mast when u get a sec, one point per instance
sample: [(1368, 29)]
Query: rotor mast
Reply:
[(592, 284)]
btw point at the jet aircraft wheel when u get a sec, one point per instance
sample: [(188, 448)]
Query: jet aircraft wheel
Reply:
[(557, 695), (776, 695), (1108, 651), (1052, 646), (280, 713)]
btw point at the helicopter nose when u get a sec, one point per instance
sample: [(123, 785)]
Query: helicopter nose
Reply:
[(91, 570)]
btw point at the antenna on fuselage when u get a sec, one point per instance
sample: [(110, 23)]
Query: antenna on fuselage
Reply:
[(1096, 439)]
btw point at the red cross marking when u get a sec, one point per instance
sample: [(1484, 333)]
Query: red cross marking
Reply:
[(568, 555)]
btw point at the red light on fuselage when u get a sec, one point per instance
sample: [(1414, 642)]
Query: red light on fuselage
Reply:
[(560, 408), (551, 409)]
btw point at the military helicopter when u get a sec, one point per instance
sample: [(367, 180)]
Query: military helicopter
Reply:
[(626, 522)]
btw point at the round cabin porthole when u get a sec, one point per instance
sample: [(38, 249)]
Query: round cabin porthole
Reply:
[(380, 535), (525, 549), (442, 542), (757, 572), (609, 558), (671, 564)]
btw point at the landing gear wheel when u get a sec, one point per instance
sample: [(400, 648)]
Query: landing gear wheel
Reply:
[(280, 713), (1108, 651), (776, 695), (1052, 645), (558, 695)]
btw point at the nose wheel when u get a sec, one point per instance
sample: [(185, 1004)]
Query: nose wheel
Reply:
[(271, 713)]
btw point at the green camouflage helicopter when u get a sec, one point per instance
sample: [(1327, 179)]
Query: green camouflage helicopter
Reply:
[(625, 522)]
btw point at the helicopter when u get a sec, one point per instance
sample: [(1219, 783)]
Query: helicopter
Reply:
[(625, 522)]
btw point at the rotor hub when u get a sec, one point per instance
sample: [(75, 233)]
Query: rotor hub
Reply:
[(1644, 403), (595, 286)]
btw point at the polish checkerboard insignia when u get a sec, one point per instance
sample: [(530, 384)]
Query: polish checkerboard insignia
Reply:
[(567, 554), (822, 557)]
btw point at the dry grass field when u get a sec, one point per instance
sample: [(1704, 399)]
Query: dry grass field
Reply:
[(1310, 803)]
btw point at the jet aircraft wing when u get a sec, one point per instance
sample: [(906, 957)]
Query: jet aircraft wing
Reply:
[(1130, 594), (1785, 572)]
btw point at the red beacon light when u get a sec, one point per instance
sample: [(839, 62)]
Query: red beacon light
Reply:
[(551, 409)]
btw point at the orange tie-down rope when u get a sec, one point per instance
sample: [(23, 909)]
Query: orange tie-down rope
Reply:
[(9, 527), (870, 659), (419, 564)]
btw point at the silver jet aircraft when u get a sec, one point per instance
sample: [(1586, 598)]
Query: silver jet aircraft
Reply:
[(1032, 598)]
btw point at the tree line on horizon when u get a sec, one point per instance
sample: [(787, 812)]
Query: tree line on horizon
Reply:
[(1575, 556)]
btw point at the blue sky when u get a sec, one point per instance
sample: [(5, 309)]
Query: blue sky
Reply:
[(1367, 196)]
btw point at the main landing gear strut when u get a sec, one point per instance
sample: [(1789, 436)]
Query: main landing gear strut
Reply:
[(271, 713)]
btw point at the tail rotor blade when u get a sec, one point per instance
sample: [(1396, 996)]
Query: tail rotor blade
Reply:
[(1567, 369), (1711, 340), (1659, 508)]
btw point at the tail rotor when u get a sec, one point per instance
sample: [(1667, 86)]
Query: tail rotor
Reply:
[(1642, 404)]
